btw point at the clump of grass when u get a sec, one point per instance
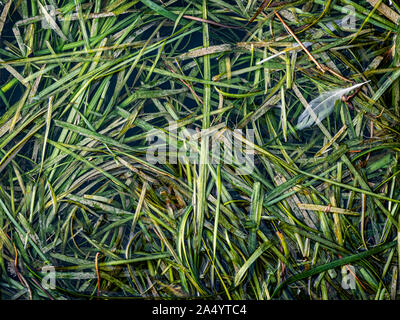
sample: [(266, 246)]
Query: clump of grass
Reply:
[(84, 83)]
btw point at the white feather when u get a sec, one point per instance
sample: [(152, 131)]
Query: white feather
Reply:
[(321, 107)]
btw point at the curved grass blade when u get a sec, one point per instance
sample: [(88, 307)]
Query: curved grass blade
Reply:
[(332, 265)]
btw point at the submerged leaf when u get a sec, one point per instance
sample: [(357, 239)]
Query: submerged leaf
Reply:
[(322, 106)]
